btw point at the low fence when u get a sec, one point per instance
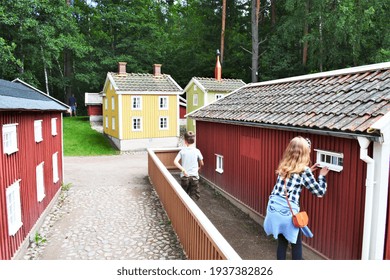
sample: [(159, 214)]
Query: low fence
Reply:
[(198, 236)]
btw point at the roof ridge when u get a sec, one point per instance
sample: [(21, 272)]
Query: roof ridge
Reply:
[(327, 74)]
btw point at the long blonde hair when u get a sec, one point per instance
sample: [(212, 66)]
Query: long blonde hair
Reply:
[(295, 158)]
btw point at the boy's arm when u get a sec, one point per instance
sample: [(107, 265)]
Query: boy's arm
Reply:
[(178, 165), (201, 163)]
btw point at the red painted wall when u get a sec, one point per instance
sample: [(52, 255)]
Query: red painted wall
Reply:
[(251, 156), (94, 110), (182, 112), (22, 165)]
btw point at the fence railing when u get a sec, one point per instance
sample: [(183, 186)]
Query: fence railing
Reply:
[(198, 236)]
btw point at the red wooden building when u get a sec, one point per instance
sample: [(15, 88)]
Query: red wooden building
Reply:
[(31, 161), (346, 115), (94, 103)]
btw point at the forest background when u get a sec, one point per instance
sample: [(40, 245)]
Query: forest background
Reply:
[(68, 46)]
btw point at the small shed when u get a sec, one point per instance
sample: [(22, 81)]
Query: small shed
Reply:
[(93, 102), (31, 162), (346, 115)]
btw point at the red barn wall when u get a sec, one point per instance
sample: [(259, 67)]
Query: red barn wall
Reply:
[(94, 110), (22, 165), (182, 112), (251, 156)]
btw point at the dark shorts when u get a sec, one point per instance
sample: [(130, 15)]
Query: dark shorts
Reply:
[(191, 186)]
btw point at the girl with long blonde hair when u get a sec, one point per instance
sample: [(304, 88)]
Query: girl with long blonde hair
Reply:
[(293, 174)]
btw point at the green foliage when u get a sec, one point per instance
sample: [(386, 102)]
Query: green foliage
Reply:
[(37, 38), (39, 239), (81, 140)]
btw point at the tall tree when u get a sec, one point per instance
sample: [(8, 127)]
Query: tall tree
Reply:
[(255, 39)]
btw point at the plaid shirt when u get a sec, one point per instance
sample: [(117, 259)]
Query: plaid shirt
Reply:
[(295, 183)]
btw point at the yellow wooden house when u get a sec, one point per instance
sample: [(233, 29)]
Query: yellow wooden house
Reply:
[(141, 110)]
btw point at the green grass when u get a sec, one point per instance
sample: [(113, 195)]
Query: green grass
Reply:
[(81, 140)]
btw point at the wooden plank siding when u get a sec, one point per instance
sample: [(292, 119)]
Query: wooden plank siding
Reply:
[(250, 158), (22, 165), (150, 115)]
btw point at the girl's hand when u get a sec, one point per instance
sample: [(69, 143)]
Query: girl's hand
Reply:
[(314, 167), (324, 171)]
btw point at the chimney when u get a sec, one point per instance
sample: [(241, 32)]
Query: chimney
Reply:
[(122, 68), (157, 70), (218, 69)]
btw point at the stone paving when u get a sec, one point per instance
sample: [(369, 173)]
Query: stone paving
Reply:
[(110, 212)]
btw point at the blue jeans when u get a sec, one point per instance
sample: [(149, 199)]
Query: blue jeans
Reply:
[(296, 248)]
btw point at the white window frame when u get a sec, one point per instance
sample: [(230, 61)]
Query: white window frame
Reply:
[(218, 96), (332, 160), (195, 99), (195, 87), (38, 131), (112, 103), (56, 177), (14, 208), (219, 163), (106, 103), (40, 182), (10, 138), (106, 118), (163, 123), (136, 102), (163, 102), (134, 119), (53, 126), (113, 123)]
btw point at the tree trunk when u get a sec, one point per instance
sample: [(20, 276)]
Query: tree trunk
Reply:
[(305, 33), (45, 72), (223, 29), (255, 39), (273, 12), (67, 70)]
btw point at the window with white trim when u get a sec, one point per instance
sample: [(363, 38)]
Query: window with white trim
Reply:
[(56, 178), (40, 182), (54, 126), (113, 103), (105, 103), (10, 139), (136, 124), (38, 130), (332, 160), (219, 163), (106, 121), (163, 103), (163, 123), (195, 100), (218, 96), (14, 208), (113, 123), (136, 102)]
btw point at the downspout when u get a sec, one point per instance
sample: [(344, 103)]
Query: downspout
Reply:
[(364, 143)]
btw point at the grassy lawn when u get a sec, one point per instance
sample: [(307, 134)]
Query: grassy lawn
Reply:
[(81, 140)]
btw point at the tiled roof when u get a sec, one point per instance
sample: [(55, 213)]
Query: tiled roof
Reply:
[(224, 85), (348, 100), (133, 82), (20, 96)]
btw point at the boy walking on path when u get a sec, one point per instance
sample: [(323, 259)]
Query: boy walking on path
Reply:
[(191, 162)]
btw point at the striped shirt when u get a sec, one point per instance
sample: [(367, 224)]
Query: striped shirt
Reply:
[(295, 183)]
